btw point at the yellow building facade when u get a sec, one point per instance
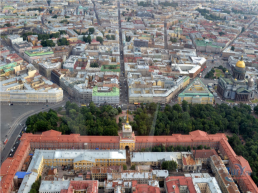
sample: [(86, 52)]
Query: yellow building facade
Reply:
[(127, 137), (80, 159)]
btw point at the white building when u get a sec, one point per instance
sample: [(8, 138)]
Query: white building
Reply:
[(107, 95), (38, 90), (14, 39), (140, 158), (27, 182), (204, 183)]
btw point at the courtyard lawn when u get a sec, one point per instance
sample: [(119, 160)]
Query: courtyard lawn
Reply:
[(218, 73), (254, 101)]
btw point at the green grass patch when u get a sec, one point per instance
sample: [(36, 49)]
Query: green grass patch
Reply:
[(110, 68), (218, 73), (254, 101)]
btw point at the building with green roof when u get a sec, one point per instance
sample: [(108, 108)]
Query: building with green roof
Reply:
[(5, 70), (196, 93), (44, 52), (207, 46), (108, 95), (8, 7)]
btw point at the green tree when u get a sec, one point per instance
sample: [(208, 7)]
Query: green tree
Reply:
[(62, 42), (91, 30), (87, 39), (108, 37), (133, 167), (128, 38), (173, 40), (113, 112), (185, 105), (47, 43), (177, 108), (94, 65), (124, 167), (256, 110), (99, 39), (232, 48), (169, 165)]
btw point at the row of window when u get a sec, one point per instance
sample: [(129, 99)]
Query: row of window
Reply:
[(59, 160), (83, 164), (109, 159)]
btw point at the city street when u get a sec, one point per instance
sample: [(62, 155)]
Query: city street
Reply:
[(13, 119), (122, 80), (3, 42)]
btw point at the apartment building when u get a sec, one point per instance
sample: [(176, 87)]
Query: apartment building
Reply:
[(81, 85), (44, 52), (12, 39), (203, 182), (30, 87), (222, 175), (101, 95), (156, 158), (100, 172), (21, 47), (157, 88), (46, 65), (190, 164)]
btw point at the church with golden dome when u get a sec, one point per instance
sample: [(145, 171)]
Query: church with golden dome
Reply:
[(237, 86)]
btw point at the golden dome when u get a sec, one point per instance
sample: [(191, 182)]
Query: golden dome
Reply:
[(240, 63)]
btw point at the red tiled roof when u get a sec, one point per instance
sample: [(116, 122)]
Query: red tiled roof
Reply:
[(173, 184), (11, 165), (90, 185), (144, 188), (35, 47), (205, 153)]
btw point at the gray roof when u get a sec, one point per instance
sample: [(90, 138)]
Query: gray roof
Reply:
[(53, 186)]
